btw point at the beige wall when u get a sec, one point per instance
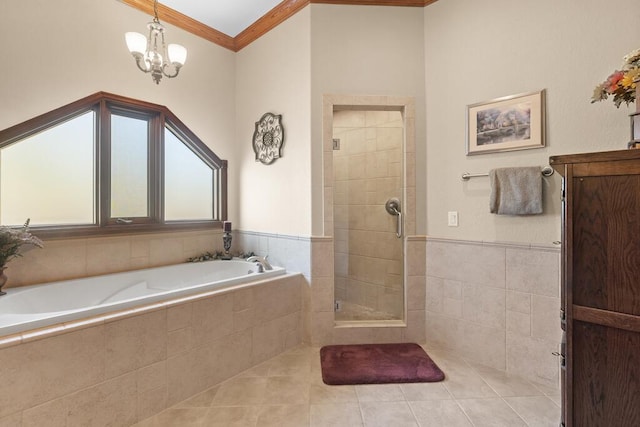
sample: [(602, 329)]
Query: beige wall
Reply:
[(358, 50), (66, 50), (273, 75), (477, 51)]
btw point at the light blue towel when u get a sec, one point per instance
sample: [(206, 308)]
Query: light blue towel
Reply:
[(516, 191)]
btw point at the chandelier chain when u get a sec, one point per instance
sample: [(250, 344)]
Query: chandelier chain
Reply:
[(155, 11)]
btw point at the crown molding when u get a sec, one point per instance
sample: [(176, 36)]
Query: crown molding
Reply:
[(269, 21), (266, 23), (406, 3), (173, 17)]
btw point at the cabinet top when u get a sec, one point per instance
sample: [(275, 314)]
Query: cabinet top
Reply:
[(558, 162)]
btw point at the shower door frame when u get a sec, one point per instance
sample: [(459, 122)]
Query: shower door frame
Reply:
[(406, 107)]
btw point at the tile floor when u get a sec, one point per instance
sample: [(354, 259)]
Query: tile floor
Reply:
[(288, 391)]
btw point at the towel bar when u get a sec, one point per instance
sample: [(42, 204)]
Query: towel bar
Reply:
[(545, 171)]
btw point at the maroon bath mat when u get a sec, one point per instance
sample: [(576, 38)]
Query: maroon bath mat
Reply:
[(377, 364)]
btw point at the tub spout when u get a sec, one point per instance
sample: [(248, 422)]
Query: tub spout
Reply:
[(261, 261)]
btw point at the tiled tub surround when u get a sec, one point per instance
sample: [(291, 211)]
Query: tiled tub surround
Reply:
[(290, 252), (120, 368), (62, 259), (497, 304), (30, 307), (367, 170)]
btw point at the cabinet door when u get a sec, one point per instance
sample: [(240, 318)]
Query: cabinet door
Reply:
[(606, 376), (606, 243), (605, 298)]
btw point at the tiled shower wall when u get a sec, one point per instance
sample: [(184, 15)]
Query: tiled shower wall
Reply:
[(367, 170), (496, 304)]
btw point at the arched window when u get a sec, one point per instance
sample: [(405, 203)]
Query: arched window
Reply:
[(109, 164)]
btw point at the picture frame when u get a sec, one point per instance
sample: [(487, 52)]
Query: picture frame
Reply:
[(515, 122)]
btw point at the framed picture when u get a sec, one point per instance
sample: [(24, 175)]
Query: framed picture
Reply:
[(510, 123)]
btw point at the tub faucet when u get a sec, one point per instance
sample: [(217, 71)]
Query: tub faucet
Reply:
[(261, 261)]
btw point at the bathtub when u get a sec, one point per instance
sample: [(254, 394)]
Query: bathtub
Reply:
[(37, 306)]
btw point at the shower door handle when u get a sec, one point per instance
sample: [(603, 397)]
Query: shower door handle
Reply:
[(393, 208)]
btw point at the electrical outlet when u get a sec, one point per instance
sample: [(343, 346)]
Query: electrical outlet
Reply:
[(452, 219)]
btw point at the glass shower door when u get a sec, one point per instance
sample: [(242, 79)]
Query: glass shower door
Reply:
[(368, 190)]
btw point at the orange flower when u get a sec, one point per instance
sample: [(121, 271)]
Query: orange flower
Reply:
[(613, 80)]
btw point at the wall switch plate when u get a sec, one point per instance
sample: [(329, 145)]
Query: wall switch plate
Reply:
[(452, 219)]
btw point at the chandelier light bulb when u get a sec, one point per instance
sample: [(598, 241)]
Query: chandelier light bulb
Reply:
[(177, 54), (136, 42)]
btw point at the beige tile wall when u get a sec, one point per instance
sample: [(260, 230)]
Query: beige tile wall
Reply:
[(496, 303), (367, 170), (71, 258), (322, 326), (125, 369)]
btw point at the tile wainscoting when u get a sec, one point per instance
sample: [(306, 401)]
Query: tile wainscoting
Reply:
[(291, 252), (497, 304), (494, 304), (63, 259)]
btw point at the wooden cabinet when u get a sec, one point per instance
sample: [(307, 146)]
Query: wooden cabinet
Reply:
[(601, 288)]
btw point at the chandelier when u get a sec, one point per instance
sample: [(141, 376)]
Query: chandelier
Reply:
[(152, 54)]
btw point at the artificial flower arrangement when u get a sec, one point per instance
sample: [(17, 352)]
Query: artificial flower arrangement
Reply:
[(621, 84), (12, 239)]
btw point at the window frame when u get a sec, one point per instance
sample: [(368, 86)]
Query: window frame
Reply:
[(104, 104)]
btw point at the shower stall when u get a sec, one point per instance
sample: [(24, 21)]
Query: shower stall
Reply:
[(368, 183)]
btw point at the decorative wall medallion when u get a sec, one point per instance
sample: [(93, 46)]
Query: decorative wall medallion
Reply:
[(268, 138)]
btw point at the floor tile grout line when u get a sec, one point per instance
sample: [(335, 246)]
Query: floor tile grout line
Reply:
[(514, 409), (497, 394), (508, 374), (412, 411), (488, 385), (464, 412), (517, 413)]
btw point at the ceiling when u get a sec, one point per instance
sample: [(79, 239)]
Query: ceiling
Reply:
[(234, 24), (228, 16)]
